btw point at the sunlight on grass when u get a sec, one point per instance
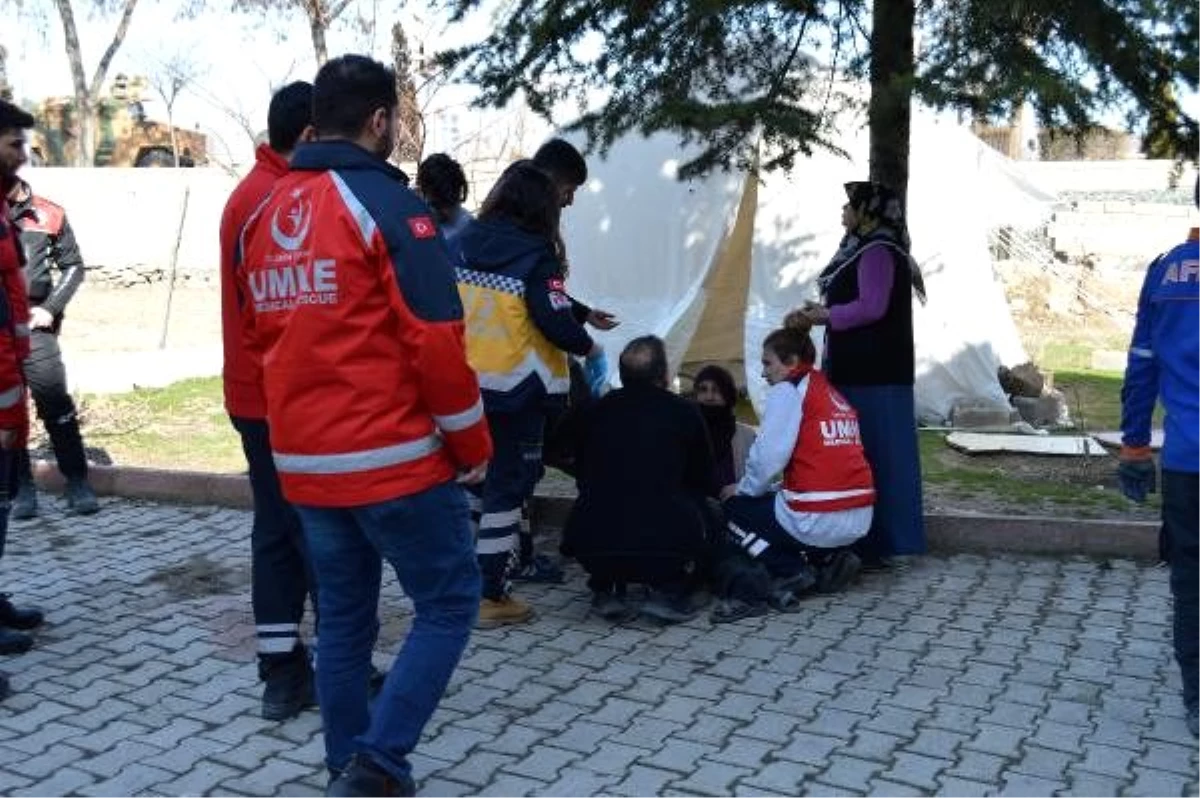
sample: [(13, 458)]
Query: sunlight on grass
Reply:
[(182, 426)]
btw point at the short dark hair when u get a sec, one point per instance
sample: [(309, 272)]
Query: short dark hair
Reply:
[(347, 91), (289, 114), (442, 182), (13, 117), (644, 362), (525, 196), (564, 163)]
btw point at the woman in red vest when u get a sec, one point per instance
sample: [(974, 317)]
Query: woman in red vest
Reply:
[(800, 530)]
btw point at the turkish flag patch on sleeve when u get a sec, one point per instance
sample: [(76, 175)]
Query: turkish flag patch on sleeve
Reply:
[(422, 227)]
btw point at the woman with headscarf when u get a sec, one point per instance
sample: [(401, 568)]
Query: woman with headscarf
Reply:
[(716, 394), (866, 307)]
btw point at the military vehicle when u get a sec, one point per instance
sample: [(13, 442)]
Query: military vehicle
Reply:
[(124, 136)]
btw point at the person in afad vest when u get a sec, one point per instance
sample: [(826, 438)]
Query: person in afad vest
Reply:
[(790, 539)]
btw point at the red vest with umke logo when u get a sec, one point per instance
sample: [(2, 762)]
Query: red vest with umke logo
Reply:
[(828, 471)]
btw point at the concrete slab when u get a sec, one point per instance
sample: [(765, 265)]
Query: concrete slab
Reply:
[(1112, 439), (1053, 445)]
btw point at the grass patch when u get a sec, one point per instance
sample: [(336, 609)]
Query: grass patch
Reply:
[(1093, 397), (1024, 484), (1056, 355), (182, 426)]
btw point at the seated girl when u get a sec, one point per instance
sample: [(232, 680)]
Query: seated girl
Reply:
[(809, 434), (716, 394)]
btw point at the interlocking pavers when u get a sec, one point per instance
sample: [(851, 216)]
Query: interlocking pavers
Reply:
[(963, 675)]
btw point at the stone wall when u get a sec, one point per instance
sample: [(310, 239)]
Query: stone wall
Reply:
[(1116, 214), (128, 221), (1126, 176), (1118, 233)]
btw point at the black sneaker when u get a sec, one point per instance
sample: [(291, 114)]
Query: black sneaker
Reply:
[(25, 503), (14, 642), (363, 777), (288, 691), (18, 617), (838, 571), (668, 608), (729, 610), (539, 569), (81, 500), (798, 583), (612, 607)]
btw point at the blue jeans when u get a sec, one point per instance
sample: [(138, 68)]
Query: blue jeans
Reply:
[(427, 540), (280, 577), (1181, 527)]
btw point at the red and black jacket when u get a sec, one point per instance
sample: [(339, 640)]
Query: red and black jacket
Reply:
[(49, 244)]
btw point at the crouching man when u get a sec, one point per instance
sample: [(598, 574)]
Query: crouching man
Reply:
[(643, 466)]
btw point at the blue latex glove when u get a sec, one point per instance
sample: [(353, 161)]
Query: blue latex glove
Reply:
[(1138, 478), (595, 368)]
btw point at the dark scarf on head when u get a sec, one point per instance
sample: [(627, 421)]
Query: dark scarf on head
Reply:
[(881, 221), (721, 422)]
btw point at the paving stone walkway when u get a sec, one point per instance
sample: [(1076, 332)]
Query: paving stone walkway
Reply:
[(961, 675)]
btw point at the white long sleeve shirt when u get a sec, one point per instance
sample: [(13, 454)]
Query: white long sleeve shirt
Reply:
[(769, 456)]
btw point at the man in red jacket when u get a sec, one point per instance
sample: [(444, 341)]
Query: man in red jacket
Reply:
[(280, 576), (14, 348), (350, 296)]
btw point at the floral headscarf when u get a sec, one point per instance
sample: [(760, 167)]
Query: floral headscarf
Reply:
[(881, 221)]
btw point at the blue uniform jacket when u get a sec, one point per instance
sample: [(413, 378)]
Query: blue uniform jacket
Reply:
[(1164, 358)]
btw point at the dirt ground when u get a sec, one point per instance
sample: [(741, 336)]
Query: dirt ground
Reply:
[(103, 319), (1062, 318)]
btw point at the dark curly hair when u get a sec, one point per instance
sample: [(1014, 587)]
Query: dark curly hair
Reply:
[(443, 184)]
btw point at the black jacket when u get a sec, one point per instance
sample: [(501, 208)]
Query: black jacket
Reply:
[(643, 466), (49, 243)]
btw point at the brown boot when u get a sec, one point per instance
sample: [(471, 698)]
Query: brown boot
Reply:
[(502, 611)]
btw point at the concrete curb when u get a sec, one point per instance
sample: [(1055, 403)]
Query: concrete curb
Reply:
[(946, 532)]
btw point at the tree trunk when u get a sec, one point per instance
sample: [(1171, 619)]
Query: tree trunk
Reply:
[(174, 137), (320, 17), (317, 26), (889, 115), (87, 97), (318, 40), (84, 120)]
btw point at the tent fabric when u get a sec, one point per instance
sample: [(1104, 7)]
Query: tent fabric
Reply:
[(703, 262)]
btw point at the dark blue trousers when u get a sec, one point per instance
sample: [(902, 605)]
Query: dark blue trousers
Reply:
[(1181, 525), (281, 576), (512, 476)]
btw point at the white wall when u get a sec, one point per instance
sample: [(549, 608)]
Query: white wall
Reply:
[(129, 219)]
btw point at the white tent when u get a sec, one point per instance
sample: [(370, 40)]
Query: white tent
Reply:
[(713, 265)]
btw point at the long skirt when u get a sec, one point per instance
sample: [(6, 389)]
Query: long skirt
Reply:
[(887, 420)]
